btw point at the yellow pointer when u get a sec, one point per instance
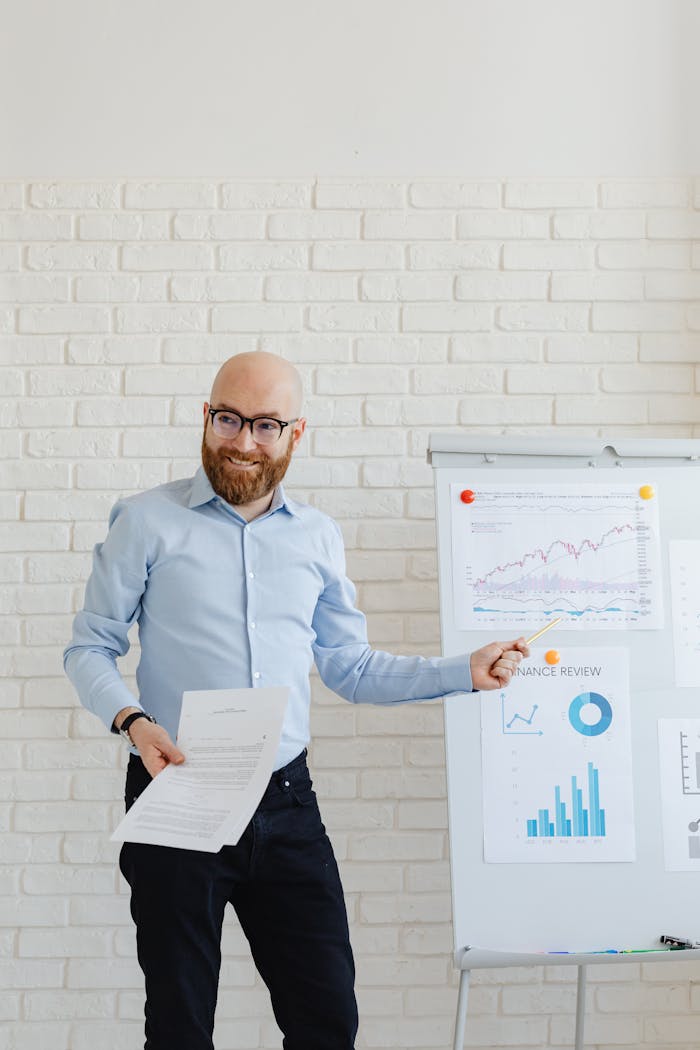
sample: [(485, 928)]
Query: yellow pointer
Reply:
[(548, 627)]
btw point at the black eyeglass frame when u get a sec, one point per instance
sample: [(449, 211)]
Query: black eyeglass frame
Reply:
[(282, 423)]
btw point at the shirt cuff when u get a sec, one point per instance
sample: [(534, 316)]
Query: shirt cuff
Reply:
[(455, 674)]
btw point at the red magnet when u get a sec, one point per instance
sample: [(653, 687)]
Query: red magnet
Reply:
[(467, 496)]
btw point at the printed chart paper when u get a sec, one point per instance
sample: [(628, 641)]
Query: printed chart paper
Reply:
[(557, 761), (525, 554), (684, 558), (679, 772), (229, 738)]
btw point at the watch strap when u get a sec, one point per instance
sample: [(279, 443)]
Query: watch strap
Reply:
[(129, 721)]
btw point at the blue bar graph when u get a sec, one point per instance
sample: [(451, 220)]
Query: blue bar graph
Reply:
[(584, 822)]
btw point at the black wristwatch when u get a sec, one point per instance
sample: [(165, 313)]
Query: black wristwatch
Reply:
[(123, 730)]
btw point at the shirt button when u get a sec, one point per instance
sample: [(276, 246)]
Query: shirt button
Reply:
[(257, 674), (252, 624), (251, 575)]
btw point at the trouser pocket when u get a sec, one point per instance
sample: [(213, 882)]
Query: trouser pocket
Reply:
[(137, 780)]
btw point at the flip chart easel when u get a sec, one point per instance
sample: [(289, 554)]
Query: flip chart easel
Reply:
[(515, 914)]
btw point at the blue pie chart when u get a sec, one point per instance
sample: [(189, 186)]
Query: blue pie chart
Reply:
[(604, 708)]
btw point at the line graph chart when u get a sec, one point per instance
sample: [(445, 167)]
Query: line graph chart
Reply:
[(510, 722), (588, 553)]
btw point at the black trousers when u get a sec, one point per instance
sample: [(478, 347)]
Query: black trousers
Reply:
[(283, 882)]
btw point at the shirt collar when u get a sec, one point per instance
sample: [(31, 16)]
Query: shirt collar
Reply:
[(202, 493)]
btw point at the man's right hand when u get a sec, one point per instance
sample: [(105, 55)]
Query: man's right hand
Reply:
[(153, 743)]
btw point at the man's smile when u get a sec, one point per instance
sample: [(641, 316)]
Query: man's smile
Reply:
[(242, 464)]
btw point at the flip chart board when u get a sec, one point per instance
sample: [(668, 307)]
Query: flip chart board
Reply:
[(557, 839)]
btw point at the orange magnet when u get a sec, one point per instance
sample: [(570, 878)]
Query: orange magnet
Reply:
[(552, 656), (647, 492), (467, 496)]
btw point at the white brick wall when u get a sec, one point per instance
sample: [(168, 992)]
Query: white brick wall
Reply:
[(410, 306)]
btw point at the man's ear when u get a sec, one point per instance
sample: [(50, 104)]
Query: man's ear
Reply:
[(205, 411), (299, 428)]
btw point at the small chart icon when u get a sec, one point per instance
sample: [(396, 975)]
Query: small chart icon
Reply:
[(586, 728)]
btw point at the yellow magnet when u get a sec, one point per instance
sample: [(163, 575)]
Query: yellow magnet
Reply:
[(647, 492), (552, 656)]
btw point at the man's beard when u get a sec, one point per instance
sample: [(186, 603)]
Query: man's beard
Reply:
[(239, 487)]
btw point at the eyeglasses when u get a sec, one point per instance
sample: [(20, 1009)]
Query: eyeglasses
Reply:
[(265, 429)]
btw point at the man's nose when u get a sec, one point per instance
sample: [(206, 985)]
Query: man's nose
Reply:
[(244, 439)]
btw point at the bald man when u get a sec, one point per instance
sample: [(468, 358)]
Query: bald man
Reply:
[(233, 584)]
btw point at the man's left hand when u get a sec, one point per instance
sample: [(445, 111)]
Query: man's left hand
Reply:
[(494, 665)]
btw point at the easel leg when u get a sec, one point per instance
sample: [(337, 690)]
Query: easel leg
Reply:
[(461, 1022), (580, 1006)]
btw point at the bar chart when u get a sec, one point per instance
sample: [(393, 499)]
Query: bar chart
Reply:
[(679, 766), (584, 822)]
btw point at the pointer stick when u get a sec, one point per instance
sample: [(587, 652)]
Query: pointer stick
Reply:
[(548, 627)]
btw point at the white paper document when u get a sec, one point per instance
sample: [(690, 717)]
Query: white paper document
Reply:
[(588, 553), (679, 772), (684, 557), (229, 738), (557, 761)]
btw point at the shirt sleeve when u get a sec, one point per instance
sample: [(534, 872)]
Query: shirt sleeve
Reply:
[(350, 667), (112, 603)]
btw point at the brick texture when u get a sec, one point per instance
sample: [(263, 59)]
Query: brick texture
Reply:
[(411, 306)]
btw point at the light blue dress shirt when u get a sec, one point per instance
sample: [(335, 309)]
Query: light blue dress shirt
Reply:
[(223, 603)]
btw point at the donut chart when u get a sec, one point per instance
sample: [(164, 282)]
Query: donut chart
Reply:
[(604, 708)]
